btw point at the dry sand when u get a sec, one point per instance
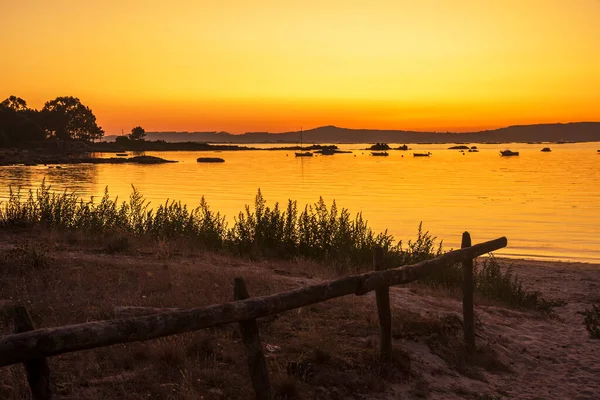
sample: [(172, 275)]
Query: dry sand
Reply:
[(548, 358)]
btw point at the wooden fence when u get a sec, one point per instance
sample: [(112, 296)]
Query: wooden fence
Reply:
[(31, 346)]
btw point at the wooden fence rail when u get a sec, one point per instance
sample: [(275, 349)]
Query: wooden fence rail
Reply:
[(47, 342), (31, 347)]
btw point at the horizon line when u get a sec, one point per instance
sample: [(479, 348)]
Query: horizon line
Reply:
[(375, 129)]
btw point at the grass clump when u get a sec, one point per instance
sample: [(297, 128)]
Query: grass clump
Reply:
[(507, 288), (493, 282), (592, 321)]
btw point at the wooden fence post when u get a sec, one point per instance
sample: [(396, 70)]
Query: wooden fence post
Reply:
[(468, 287), (256, 358), (38, 373), (382, 295)]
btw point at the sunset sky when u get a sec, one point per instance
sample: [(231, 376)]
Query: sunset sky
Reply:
[(278, 65)]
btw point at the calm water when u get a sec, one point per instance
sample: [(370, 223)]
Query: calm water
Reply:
[(547, 204)]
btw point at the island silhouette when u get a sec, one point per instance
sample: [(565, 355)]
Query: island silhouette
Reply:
[(568, 132)]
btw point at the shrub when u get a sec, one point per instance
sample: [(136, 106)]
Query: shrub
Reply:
[(319, 231), (507, 288), (491, 282), (592, 321)]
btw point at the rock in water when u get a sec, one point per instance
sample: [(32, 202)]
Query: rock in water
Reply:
[(148, 160), (210, 160)]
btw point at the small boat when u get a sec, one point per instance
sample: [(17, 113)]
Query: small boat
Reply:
[(508, 153), (422, 154), (546, 150), (380, 154), (473, 151), (303, 153), (121, 154)]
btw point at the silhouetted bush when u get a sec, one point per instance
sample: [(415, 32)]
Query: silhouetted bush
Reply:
[(592, 321), (491, 282), (318, 232)]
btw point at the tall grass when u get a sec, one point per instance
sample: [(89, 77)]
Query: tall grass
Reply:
[(494, 282), (344, 241), (318, 231)]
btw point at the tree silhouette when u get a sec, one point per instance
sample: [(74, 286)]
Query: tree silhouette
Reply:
[(15, 103), (19, 125), (137, 133), (67, 118)]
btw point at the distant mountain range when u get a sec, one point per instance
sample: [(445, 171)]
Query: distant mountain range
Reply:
[(571, 132)]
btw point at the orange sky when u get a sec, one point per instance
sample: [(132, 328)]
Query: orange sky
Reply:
[(263, 65)]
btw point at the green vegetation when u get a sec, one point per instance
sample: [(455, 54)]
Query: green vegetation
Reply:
[(592, 321), (317, 232), (494, 283)]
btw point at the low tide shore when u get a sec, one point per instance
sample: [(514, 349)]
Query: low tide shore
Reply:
[(326, 351)]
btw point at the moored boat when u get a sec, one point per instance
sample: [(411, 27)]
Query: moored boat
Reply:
[(546, 150), (508, 153), (380, 153), (302, 153), (422, 154)]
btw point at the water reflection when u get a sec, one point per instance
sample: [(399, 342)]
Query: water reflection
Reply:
[(80, 178), (545, 203)]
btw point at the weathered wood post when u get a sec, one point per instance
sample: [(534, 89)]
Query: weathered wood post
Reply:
[(38, 373), (468, 287), (384, 312), (256, 358)]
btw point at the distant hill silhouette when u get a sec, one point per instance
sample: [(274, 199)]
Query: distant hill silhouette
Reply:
[(571, 132)]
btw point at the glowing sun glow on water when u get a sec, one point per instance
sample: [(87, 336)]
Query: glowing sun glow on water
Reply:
[(545, 203)]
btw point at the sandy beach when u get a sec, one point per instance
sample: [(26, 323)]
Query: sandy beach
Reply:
[(547, 358)]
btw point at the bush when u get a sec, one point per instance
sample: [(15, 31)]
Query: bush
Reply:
[(491, 282), (592, 321), (507, 288)]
